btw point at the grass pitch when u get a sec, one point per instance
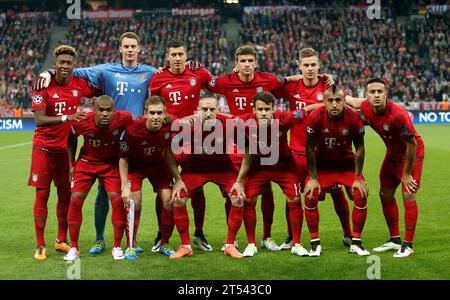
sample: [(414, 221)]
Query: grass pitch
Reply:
[(17, 237)]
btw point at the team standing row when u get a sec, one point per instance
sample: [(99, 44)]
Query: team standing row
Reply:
[(127, 83)]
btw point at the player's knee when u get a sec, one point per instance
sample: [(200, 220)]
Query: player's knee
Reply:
[(180, 202), (291, 200), (311, 201), (408, 196), (386, 196)]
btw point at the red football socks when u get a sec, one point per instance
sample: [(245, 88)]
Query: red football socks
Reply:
[(359, 214), (411, 215), (267, 209), (234, 223), (40, 214), (342, 210), (390, 211), (198, 203), (250, 220), (296, 220), (74, 218), (181, 219)]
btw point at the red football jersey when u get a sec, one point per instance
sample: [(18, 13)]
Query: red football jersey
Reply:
[(143, 147), (239, 94), (299, 95), (181, 91), (101, 145), (58, 100), (209, 149), (334, 138), (393, 126), (257, 139)]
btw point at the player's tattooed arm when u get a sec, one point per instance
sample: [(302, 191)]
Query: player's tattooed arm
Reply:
[(359, 183), (125, 187), (408, 181), (313, 182)]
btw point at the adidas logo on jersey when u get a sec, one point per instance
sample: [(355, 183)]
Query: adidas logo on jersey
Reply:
[(55, 95), (297, 96), (325, 130), (235, 91), (144, 143), (168, 86)]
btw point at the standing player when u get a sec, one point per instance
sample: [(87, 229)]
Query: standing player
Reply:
[(310, 90), (239, 88), (180, 87), (263, 167), (206, 162), (53, 107), (330, 133), (403, 162), (98, 158), (127, 83), (142, 156)]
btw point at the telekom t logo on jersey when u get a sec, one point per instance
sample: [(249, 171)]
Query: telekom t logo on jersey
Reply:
[(175, 97), (330, 142), (121, 87), (60, 107), (241, 102)]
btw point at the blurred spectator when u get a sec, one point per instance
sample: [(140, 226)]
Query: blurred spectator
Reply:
[(204, 37), (413, 58), (23, 46)]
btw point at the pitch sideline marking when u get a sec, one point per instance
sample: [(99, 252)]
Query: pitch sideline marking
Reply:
[(15, 145)]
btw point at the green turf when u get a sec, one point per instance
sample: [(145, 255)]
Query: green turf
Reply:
[(17, 238)]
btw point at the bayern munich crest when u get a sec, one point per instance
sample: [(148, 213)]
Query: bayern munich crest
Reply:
[(345, 132), (115, 132), (320, 96), (386, 127), (192, 81), (74, 93), (259, 89), (37, 99), (34, 177)]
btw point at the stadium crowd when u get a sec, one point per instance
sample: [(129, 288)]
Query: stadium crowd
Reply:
[(23, 45), (413, 57), (206, 40)]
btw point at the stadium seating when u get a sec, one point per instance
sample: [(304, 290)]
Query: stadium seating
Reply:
[(411, 57), (23, 45), (204, 38)]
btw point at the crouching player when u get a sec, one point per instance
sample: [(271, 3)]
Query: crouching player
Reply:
[(98, 158), (270, 160), (207, 160), (331, 130), (142, 156)]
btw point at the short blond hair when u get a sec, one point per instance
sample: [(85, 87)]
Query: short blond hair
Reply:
[(65, 49), (308, 52)]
